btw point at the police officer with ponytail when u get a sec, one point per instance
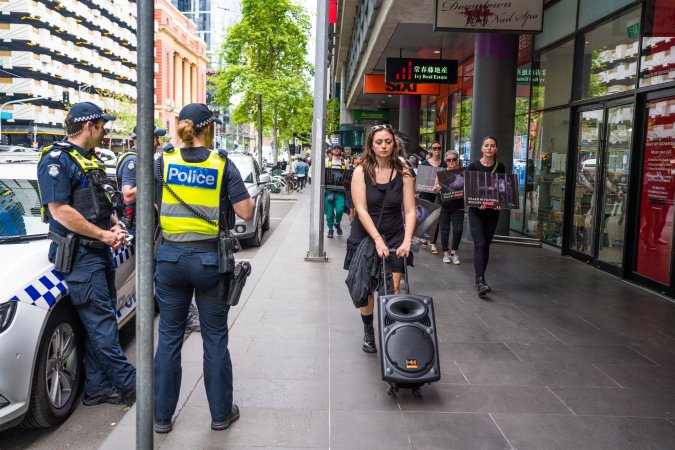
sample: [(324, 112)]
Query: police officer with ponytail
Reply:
[(199, 191), (77, 202)]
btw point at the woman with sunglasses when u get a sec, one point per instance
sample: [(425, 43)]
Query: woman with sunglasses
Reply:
[(435, 161), (452, 213), (381, 185), (483, 221)]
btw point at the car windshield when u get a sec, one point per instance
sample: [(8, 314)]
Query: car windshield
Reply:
[(245, 166), (20, 209)]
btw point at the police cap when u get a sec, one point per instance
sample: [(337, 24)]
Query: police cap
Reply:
[(199, 114), (159, 132), (85, 112)]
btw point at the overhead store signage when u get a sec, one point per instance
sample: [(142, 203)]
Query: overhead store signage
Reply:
[(371, 115), (522, 16), (415, 70), (375, 84)]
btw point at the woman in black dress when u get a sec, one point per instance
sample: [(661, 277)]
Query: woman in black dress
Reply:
[(382, 180), (483, 221)]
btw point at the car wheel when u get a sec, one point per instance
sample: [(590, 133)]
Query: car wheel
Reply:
[(256, 240), (266, 223), (57, 378)]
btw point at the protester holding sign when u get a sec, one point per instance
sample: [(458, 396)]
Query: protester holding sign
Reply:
[(452, 207), (434, 161), (483, 220)]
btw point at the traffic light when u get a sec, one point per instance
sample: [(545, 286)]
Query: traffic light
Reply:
[(66, 98)]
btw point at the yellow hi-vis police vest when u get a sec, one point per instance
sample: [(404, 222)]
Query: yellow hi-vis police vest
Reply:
[(197, 184), (343, 164)]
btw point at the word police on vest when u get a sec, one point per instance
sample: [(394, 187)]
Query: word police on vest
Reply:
[(200, 177)]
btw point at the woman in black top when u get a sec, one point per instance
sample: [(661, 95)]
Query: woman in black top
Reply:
[(483, 221), (434, 161), (382, 168)]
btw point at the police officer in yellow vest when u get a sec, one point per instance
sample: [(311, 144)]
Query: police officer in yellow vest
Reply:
[(200, 189), (76, 198)]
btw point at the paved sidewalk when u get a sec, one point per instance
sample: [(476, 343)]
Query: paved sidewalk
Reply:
[(560, 355)]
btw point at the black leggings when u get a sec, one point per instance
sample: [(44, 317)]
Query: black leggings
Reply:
[(456, 218), (483, 225), (302, 182)]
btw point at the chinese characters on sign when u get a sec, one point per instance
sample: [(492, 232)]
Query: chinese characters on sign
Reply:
[(414, 70)]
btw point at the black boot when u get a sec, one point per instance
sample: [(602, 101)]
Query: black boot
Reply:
[(369, 339), (482, 286)]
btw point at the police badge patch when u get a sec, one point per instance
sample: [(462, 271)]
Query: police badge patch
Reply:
[(53, 170), (131, 165)]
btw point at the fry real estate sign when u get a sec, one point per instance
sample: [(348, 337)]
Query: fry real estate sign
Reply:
[(489, 15), (416, 70)]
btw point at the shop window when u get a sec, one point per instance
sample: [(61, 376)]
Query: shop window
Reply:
[(552, 77), (592, 10), (559, 21), (547, 161), (610, 56), (657, 57), (520, 138)]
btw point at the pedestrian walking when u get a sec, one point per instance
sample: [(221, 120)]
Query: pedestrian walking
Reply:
[(483, 221), (334, 200), (75, 195), (301, 169), (381, 186), (349, 202), (452, 213), (435, 161), (199, 192)]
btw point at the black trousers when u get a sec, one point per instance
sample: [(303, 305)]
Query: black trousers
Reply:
[(302, 182), (483, 225), (454, 217)]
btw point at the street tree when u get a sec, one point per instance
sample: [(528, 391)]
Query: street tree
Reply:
[(265, 64)]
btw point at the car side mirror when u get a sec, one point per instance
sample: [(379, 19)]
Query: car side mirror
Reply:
[(264, 178)]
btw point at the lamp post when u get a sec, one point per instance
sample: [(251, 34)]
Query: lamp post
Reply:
[(25, 100)]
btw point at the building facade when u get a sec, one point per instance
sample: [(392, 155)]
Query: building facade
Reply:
[(594, 117), (60, 52), (180, 62)]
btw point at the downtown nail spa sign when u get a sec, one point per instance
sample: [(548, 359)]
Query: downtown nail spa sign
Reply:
[(522, 16)]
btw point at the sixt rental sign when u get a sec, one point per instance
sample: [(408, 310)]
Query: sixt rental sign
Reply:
[(375, 84), (199, 177)]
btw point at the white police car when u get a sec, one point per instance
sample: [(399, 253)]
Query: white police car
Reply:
[(41, 337), (251, 232)]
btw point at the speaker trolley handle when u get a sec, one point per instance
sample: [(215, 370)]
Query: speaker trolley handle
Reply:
[(405, 271)]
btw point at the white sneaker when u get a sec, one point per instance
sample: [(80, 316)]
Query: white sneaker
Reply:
[(454, 259), (446, 259)]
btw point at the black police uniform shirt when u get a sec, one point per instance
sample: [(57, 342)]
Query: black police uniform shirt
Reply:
[(58, 175), (236, 188)]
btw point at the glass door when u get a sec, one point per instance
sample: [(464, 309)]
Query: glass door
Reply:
[(601, 188)]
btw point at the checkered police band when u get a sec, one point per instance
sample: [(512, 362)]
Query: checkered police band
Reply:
[(85, 118), (201, 125)]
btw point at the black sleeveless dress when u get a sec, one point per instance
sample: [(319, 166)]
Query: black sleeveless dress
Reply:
[(391, 227)]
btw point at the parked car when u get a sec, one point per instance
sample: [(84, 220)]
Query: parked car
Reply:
[(16, 148), (108, 157), (251, 232), (41, 337)]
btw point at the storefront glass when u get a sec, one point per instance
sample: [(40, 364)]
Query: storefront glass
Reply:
[(610, 56), (657, 193), (657, 57), (520, 139), (552, 77), (548, 154), (592, 10), (560, 20)]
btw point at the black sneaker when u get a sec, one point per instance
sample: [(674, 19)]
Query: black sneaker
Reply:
[(482, 286), (330, 234), (109, 395), (223, 424), (369, 340), (338, 229), (129, 396), (163, 426)]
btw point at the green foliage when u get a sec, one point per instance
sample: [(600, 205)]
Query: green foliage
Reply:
[(264, 55), (332, 115)]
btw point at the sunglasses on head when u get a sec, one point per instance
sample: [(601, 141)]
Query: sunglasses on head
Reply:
[(384, 126)]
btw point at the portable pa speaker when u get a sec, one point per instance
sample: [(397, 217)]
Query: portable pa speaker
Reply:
[(409, 348)]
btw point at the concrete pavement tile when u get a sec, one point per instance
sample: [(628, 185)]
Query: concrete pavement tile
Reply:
[(552, 374), (504, 334), (462, 351), (272, 394), (458, 319), (535, 432), (633, 402), (641, 376), (281, 346), (368, 430), (250, 367), (278, 329), (453, 431), (601, 354), (257, 427), (125, 437), (483, 399)]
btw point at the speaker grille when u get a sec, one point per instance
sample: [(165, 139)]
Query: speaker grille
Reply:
[(425, 321)]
